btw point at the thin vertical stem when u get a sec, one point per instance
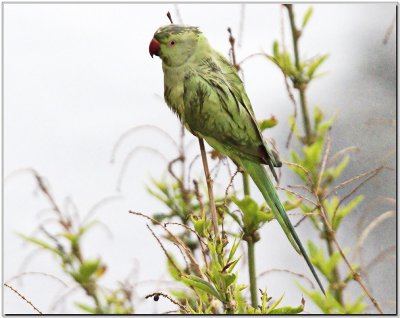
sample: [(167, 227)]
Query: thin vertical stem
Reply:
[(246, 184), (338, 291), (251, 258), (214, 217), (252, 272), (299, 85)]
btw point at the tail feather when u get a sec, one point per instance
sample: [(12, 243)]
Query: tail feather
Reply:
[(263, 182)]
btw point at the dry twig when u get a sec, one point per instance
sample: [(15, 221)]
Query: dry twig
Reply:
[(371, 226), (156, 296), (24, 298), (214, 217), (289, 272)]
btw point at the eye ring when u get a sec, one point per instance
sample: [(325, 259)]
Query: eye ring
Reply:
[(172, 43)]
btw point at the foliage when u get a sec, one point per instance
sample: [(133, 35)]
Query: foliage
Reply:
[(210, 273), (65, 245)]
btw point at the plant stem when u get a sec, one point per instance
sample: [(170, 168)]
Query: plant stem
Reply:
[(214, 217), (338, 290), (299, 85), (252, 271), (356, 275), (246, 185), (251, 259)]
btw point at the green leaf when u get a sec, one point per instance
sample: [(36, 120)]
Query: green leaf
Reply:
[(83, 229), (40, 243), (275, 49), (357, 307), (287, 65), (287, 310), (229, 279), (344, 211), (327, 303), (328, 267), (199, 283), (313, 154), (334, 172), (86, 308), (318, 116), (232, 252), (325, 125), (292, 204), (87, 269), (315, 64), (296, 159), (173, 271), (201, 226), (275, 305), (233, 265), (268, 123), (307, 16), (249, 207), (235, 218)]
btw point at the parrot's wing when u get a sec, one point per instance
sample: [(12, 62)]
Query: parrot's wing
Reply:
[(217, 106), (232, 76)]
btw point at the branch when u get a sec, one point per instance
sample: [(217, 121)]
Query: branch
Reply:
[(24, 298), (156, 296), (214, 217), (356, 275)]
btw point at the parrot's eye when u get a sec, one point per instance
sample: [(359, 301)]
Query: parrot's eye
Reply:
[(172, 43)]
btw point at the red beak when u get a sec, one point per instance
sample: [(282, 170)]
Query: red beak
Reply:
[(154, 47)]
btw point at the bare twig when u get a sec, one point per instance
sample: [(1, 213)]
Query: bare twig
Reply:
[(170, 164), (36, 273), (300, 186), (203, 245), (379, 219), (199, 198), (369, 208), (43, 187), (229, 185), (156, 296), (98, 205), (389, 30), (129, 157), (308, 174), (298, 195), (289, 272), (356, 276), (390, 251), (214, 217), (300, 221), (24, 298), (324, 160), (164, 250), (342, 152), (232, 41), (348, 181), (352, 192), (176, 240), (191, 165), (60, 298), (126, 134)]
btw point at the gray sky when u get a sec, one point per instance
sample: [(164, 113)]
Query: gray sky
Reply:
[(78, 76)]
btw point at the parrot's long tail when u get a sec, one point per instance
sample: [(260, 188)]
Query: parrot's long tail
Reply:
[(263, 182)]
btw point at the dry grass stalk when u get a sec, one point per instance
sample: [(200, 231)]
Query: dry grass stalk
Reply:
[(24, 298)]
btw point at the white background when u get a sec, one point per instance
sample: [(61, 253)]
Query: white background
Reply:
[(77, 76)]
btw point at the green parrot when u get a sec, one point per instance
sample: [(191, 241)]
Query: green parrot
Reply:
[(204, 90)]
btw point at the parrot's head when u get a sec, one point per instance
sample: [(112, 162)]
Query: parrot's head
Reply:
[(174, 44)]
